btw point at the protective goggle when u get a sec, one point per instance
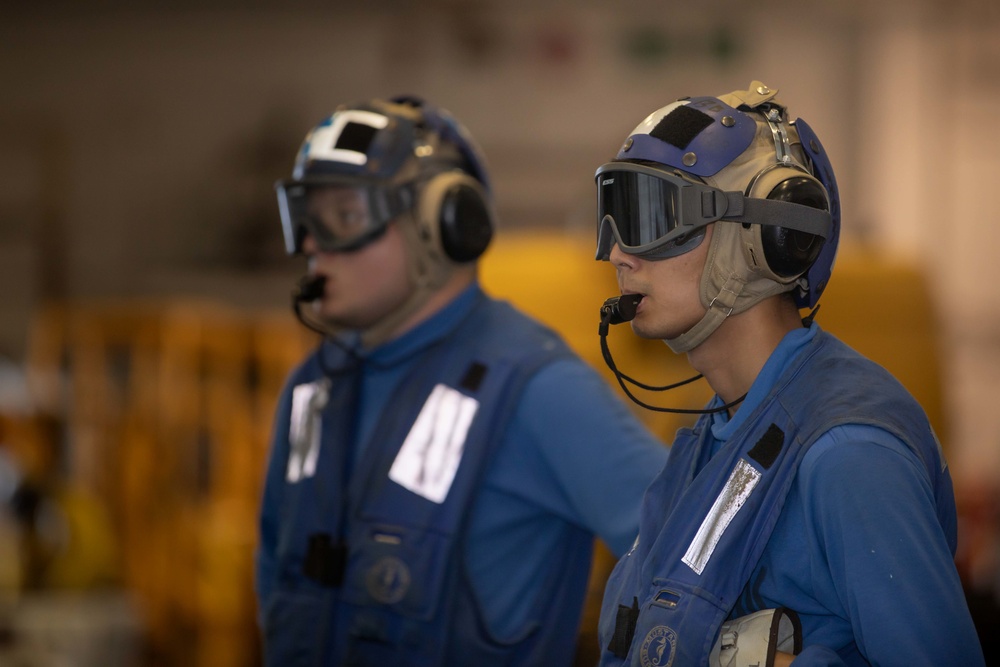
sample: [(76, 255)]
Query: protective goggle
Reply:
[(657, 214), (340, 217), (653, 213)]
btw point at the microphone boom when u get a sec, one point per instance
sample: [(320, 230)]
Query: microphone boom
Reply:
[(621, 308)]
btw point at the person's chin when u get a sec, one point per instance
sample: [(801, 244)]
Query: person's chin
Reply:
[(643, 328), (329, 314), (640, 329), (322, 309), (344, 321)]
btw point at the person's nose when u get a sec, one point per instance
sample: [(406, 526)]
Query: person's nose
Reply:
[(309, 246), (621, 260)]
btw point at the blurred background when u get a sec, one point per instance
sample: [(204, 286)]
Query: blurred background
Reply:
[(145, 327)]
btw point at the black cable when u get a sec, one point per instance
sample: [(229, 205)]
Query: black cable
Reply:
[(612, 313), (310, 288)]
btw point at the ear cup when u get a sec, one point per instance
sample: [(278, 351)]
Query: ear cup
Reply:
[(456, 216), (789, 252)]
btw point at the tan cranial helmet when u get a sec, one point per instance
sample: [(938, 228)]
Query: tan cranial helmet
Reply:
[(415, 165), (768, 239)]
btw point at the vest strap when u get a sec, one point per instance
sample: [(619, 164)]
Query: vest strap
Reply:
[(625, 622), (768, 447)]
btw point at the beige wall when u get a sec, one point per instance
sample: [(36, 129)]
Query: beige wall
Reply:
[(137, 145)]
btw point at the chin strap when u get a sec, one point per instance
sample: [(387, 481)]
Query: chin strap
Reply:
[(719, 309)]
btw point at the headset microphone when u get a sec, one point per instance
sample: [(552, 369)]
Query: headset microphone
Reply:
[(620, 309), (309, 289)]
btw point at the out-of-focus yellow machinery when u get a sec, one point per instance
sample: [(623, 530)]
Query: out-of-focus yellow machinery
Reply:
[(166, 412), (167, 409)]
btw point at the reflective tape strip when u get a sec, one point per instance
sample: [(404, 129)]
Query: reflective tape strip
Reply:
[(428, 460), (738, 488), (304, 430)]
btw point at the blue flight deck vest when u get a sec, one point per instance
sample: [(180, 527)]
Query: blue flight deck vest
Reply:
[(706, 519), (403, 596)]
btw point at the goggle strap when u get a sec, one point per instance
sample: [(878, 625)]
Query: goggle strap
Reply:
[(779, 214), (388, 203)]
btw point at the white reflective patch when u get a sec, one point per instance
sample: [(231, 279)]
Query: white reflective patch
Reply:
[(635, 545), (308, 401), (429, 458), (323, 142), (741, 482)]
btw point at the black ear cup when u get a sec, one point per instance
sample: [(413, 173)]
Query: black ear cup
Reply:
[(466, 223), (457, 216), (789, 252)]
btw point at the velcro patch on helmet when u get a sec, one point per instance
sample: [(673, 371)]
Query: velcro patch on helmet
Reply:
[(356, 137), (680, 126), (700, 136)]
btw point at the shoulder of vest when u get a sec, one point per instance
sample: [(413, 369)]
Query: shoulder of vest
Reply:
[(833, 385), (843, 372), (501, 330)]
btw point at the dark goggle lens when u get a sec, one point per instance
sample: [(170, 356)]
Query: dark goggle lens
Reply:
[(642, 207)]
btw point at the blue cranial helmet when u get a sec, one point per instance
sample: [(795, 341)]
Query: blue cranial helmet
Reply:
[(391, 151), (734, 158)]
